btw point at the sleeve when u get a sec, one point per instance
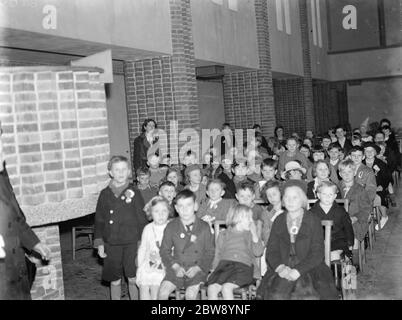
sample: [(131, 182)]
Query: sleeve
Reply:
[(273, 254), (333, 175), (347, 228), (166, 247), (99, 221), (209, 250), (316, 250), (139, 209), (137, 153), (364, 207)]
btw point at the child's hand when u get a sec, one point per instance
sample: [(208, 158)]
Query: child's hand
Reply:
[(179, 270), (193, 271), (101, 251), (379, 188)]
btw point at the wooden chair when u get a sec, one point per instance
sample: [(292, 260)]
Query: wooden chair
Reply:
[(344, 202), (81, 230)]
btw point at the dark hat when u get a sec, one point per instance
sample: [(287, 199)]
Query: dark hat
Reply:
[(372, 145)]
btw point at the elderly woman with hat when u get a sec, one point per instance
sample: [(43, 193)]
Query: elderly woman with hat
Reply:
[(383, 177), (295, 254)]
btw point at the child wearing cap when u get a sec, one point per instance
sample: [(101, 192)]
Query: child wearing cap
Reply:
[(193, 175)]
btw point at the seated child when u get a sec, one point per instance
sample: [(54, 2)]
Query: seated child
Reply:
[(187, 250), (268, 172), (342, 236), (319, 154), (215, 208), (360, 204), (320, 172), (236, 250), (334, 153), (144, 186), (291, 154), (271, 193), (240, 172), (157, 173), (151, 271), (254, 169), (325, 142), (168, 191), (174, 175), (193, 175), (226, 177), (306, 150), (119, 221)]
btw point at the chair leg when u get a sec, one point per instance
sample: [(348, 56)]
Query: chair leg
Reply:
[(177, 294), (378, 216), (73, 241), (370, 234), (244, 294), (91, 242), (360, 257)]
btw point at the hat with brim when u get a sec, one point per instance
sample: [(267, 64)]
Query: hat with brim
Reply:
[(372, 145), (293, 165)]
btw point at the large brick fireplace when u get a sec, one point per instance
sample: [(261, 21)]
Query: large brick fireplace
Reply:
[(55, 137)]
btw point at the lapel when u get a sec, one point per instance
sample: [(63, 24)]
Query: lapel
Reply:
[(194, 233), (118, 202)]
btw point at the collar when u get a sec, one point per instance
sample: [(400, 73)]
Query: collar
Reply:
[(277, 213), (213, 204)]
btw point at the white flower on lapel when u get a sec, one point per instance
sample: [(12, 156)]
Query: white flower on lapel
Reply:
[(129, 194), (193, 238)]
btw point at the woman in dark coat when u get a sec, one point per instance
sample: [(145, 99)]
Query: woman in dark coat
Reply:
[(17, 236), (295, 255), (143, 142)]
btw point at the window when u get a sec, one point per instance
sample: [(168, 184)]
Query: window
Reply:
[(283, 14), (316, 22)]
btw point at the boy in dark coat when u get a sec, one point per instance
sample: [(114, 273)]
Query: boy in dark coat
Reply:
[(119, 221), (16, 236), (187, 249), (342, 236)]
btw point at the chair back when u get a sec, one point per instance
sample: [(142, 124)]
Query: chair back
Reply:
[(217, 227), (327, 224), (344, 202)]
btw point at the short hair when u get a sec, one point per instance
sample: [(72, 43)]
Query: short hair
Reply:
[(177, 171), (237, 214), (326, 136), (317, 148), (184, 194), (301, 192), (347, 163), (356, 148), (217, 181), (292, 138), (315, 165), (143, 171), (245, 185), (145, 123), (153, 202), (339, 126), (327, 184), (386, 121), (166, 184), (276, 129), (335, 145), (356, 136), (256, 126), (270, 185), (116, 159), (307, 138), (305, 146), (269, 163)]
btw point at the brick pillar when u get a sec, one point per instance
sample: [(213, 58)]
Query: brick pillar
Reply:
[(248, 96), (48, 284), (165, 88), (307, 79)]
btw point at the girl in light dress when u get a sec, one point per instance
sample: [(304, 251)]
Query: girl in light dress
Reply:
[(151, 271)]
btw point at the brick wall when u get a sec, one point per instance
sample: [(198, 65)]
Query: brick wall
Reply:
[(55, 140), (289, 105), (164, 88), (248, 96), (48, 284)]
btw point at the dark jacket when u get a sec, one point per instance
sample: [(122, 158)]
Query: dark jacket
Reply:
[(360, 207), (309, 244), (342, 235), (141, 147), (178, 248), (116, 221), (347, 146), (14, 282), (230, 188)]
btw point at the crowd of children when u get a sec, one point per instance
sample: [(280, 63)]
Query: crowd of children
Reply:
[(163, 232)]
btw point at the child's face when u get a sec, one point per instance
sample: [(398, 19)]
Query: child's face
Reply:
[(341, 155), (325, 143), (172, 177), (153, 162), (120, 172), (246, 197), (333, 154), (292, 199), (308, 142), (340, 133), (379, 137), (168, 192), (189, 160), (268, 173), (305, 151), (186, 207), (215, 164), (243, 225), (143, 179), (291, 145), (356, 142), (369, 153), (309, 134), (357, 157), (195, 177), (318, 156), (296, 175), (273, 195), (322, 171), (160, 213), (240, 170), (227, 164), (215, 191), (326, 195), (347, 174)]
